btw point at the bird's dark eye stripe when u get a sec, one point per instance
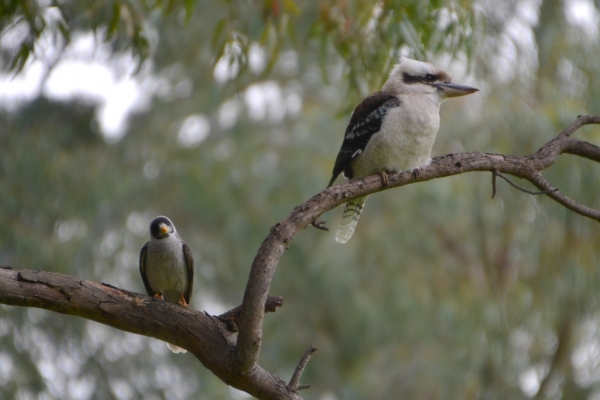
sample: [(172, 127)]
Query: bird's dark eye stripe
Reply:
[(409, 79)]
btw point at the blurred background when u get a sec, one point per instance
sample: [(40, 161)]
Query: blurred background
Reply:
[(225, 115)]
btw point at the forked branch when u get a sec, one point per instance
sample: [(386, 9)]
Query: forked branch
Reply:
[(211, 339), (496, 174), (526, 167), (206, 337)]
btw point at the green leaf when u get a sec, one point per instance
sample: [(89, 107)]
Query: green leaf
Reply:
[(113, 23), (216, 42)]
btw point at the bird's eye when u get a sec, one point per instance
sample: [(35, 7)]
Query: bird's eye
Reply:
[(429, 78)]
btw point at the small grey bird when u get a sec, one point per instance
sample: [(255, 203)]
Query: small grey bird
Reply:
[(167, 266), (393, 130)]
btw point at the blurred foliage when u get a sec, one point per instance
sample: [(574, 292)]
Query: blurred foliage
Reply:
[(365, 37), (442, 292)]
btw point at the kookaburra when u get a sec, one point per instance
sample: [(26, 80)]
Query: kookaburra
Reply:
[(167, 266), (393, 130)]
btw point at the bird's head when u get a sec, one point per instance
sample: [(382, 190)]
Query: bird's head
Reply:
[(161, 227), (417, 77)]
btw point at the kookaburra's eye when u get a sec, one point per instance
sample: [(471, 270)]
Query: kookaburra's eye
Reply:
[(429, 78)]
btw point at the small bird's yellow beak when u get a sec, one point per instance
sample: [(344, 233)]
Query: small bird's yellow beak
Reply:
[(164, 228)]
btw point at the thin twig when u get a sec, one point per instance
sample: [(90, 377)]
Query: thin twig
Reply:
[(496, 173), (538, 180), (293, 385)]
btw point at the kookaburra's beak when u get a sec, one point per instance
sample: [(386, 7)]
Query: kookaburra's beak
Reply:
[(164, 228), (455, 90)]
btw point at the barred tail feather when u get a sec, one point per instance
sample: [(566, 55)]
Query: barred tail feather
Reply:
[(350, 219)]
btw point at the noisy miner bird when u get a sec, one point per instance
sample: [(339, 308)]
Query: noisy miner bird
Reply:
[(393, 130), (167, 266)]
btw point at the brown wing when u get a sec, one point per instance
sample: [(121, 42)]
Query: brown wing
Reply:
[(143, 270), (366, 120), (190, 270)]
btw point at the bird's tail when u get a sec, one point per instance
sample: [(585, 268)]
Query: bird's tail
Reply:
[(176, 349), (350, 219)]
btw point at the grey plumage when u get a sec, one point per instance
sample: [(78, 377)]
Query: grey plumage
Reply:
[(167, 266), (393, 130)]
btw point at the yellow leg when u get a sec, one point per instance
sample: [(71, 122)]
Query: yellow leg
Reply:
[(182, 301)]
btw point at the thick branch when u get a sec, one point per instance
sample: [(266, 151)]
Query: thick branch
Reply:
[(231, 317), (204, 336), (263, 266), (582, 149), (208, 338)]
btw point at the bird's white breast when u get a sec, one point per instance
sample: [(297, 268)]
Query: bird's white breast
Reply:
[(166, 267), (404, 140)]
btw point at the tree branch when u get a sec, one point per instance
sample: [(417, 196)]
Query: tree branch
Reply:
[(265, 262), (231, 317), (204, 336), (538, 180), (293, 385), (210, 339), (511, 183)]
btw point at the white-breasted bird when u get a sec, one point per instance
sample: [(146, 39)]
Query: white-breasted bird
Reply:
[(393, 130), (167, 266)]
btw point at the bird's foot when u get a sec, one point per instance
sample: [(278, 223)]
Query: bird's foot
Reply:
[(158, 296), (384, 177), (183, 302), (320, 224), (415, 173)]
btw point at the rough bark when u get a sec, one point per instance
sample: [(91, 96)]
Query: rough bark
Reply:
[(526, 167), (206, 337), (211, 339)]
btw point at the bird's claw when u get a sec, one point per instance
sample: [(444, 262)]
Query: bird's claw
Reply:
[(384, 177), (183, 302), (158, 296), (415, 173), (320, 224)]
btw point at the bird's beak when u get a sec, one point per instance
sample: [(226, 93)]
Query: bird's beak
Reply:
[(164, 229), (455, 90)]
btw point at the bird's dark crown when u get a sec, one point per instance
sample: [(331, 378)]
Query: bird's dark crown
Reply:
[(155, 227)]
